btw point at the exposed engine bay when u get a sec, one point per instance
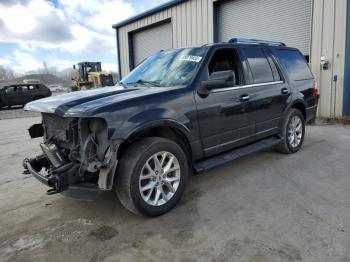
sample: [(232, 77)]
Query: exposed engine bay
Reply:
[(76, 151)]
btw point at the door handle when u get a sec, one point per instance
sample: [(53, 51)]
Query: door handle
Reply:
[(285, 91), (244, 98)]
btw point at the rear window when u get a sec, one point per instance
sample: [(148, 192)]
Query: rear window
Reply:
[(295, 64)]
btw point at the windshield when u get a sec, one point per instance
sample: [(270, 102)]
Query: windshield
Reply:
[(167, 68)]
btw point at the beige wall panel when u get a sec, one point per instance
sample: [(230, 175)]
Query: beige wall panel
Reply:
[(177, 27), (183, 25), (199, 22), (193, 26), (328, 40), (327, 51), (339, 53), (188, 24), (205, 20)]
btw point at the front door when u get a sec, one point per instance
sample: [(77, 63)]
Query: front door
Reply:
[(222, 114), (13, 95)]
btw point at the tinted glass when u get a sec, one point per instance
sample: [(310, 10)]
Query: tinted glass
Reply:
[(259, 65), (295, 64), (276, 74)]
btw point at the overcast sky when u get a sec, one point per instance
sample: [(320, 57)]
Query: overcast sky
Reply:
[(62, 32)]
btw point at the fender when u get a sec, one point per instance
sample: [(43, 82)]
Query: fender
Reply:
[(161, 123), (294, 99), (156, 117)]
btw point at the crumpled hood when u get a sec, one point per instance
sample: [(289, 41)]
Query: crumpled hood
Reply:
[(79, 103)]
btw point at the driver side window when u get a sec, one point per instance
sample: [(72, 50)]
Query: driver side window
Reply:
[(226, 60)]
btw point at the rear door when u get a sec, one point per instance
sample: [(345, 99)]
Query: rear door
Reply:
[(28, 94), (35, 91), (269, 92)]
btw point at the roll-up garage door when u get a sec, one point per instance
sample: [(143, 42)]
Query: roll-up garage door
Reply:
[(287, 21), (149, 41)]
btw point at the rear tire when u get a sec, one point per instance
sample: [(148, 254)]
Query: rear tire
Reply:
[(292, 133), (151, 176)]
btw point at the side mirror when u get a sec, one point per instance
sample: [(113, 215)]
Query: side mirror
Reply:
[(74, 67), (220, 79)]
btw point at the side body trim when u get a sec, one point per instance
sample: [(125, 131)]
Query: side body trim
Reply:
[(219, 90)]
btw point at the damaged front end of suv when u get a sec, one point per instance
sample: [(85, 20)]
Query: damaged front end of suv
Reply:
[(77, 157)]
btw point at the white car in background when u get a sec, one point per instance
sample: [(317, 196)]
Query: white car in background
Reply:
[(55, 88)]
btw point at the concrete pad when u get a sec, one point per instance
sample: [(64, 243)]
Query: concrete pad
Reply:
[(264, 207)]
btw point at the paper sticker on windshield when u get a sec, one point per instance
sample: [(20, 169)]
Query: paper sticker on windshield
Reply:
[(192, 58)]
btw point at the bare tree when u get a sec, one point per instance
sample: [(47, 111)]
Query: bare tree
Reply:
[(7, 74)]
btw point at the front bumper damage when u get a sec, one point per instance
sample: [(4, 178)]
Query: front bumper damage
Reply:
[(78, 167), (59, 179)]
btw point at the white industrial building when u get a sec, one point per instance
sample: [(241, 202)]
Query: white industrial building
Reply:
[(317, 27)]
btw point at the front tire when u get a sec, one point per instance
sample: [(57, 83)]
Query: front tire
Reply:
[(293, 132), (151, 176)]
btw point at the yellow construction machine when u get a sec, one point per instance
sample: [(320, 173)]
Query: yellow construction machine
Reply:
[(90, 75)]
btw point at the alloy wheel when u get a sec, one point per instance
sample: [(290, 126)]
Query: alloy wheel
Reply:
[(295, 131), (160, 178)]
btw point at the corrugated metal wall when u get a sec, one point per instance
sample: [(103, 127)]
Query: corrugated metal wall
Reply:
[(328, 40), (276, 20), (192, 25)]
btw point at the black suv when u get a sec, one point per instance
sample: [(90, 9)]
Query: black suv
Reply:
[(20, 94), (180, 110)]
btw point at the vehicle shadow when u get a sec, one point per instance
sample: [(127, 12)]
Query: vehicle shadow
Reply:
[(7, 108)]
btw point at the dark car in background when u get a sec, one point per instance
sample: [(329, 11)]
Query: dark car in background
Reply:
[(20, 94)]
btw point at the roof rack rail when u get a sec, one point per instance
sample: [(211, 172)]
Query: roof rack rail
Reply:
[(255, 41)]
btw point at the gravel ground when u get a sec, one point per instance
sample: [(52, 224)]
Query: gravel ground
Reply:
[(264, 207), (16, 112)]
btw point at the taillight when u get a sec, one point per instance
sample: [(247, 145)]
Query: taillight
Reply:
[(315, 90)]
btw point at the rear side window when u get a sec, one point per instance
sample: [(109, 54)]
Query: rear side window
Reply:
[(295, 64), (259, 64)]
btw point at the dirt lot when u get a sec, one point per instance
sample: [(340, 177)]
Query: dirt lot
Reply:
[(16, 112), (265, 207)]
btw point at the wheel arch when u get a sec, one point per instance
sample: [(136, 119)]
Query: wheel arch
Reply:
[(172, 130), (300, 105)]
